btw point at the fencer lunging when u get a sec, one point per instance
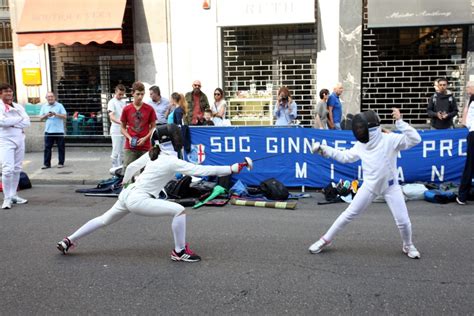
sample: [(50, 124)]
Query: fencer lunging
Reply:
[(139, 198), (13, 119), (378, 152)]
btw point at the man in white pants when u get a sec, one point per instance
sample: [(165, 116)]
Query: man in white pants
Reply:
[(139, 198), (13, 119), (115, 107), (378, 152)]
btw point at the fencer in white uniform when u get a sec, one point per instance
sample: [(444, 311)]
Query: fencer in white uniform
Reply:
[(13, 119), (378, 152), (141, 197)]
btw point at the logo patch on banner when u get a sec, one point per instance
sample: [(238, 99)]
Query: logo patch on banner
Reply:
[(197, 154)]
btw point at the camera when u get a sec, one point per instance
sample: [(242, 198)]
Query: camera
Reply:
[(284, 99)]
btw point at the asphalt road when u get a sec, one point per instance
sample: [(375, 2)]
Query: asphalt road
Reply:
[(255, 261)]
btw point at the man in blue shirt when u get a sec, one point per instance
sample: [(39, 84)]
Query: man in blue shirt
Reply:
[(160, 105), (335, 108), (55, 115)]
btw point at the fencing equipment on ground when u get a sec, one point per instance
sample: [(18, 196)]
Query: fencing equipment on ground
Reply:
[(13, 119), (379, 167)]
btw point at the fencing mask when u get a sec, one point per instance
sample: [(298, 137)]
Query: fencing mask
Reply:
[(168, 137), (361, 124)]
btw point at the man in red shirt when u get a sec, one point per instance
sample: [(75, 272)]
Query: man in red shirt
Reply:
[(197, 104), (138, 122)]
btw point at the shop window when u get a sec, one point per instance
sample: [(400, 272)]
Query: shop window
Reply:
[(5, 35), (266, 57)]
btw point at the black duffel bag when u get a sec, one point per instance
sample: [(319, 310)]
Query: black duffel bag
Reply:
[(274, 189)]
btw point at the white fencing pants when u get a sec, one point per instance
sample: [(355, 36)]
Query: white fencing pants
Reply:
[(140, 203), (11, 155), (396, 202), (118, 143)]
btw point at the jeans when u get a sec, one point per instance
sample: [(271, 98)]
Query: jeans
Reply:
[(49, 140), (468, 172)]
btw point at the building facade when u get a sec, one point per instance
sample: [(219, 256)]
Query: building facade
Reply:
[(249, 48)]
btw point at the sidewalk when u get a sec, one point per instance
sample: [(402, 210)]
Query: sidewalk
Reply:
[(83, 165)]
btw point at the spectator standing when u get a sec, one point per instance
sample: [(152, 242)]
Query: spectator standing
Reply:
[(115, 108), (180, 117), (321, 119), (160, 105), (138, 121), (219, 107), (468, 172), (55, 115), (13, 119), (286, 109), (197, 102), (334, 106), (442, 107)]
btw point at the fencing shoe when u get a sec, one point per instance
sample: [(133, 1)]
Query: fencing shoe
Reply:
[(7, 204), (319, 245), (19, 200), (185, 255), (64, 245), (411, 252)]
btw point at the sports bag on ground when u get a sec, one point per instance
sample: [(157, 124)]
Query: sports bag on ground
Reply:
[(178, 189), (274, 189), (440, 196)]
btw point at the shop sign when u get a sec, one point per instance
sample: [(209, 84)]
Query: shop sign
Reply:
[(265, 12), (31, 76), (405, 13)]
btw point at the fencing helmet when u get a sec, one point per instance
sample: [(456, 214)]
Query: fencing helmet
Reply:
[(167, 137), (362, 122)]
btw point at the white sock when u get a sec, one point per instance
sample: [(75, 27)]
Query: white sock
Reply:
[(405, 233), (87, 228), (6, 181), (179, 232), (14, 183)]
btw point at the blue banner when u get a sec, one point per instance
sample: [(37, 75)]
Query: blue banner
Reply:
[(285, 154)]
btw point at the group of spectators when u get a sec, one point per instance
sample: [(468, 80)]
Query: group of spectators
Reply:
[(133, 124), (441, 109)]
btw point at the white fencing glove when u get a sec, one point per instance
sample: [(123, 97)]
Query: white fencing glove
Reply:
[(316, 148), (237, 167)]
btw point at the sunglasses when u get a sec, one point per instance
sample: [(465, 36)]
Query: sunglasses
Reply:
[(217, 94), (196, 85)]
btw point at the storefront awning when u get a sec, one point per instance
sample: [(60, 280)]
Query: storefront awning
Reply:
[(71, 21), (405, 13)]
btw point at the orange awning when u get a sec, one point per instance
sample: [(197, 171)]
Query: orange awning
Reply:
[(71, 21)]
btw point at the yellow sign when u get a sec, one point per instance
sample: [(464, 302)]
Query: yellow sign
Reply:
[(31, 76)]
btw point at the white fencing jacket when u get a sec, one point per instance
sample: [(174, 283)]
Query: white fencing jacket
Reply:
[(13, 119), (159, 172), (379, 155)]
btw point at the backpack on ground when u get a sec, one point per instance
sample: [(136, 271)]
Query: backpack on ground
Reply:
[(24, 182), (178, 189), (330, 192), (274, 189)]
